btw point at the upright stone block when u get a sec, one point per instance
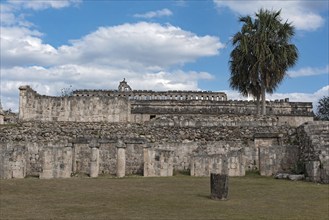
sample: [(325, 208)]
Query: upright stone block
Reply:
[(121, 159), (148, 161), (2, 117), (219, 186), (66, 163), (158, 162), (94, 160), (47, 166), (22, 101), (313, 170), (19, 169)]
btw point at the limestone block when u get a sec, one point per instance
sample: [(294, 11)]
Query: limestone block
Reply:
[(47, 166), (121, 161), (313, 170), (94, 162), (66, 163), (2, 117), (18, 169), (281, 176), (149, 154), (296, 177), (158, 162)]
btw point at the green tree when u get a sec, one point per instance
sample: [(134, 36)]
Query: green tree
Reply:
[(240, 64), (323, 109), (67, 91), (262, 54)]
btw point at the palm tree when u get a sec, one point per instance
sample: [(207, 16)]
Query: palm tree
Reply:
[(262, 54), (241, 59)]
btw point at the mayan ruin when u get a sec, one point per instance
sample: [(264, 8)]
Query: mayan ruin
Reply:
[(125, 131)]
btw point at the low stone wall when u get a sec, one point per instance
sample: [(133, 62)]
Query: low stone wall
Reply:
[(231, 164), (156, 108), (215, 121), (62, 149)]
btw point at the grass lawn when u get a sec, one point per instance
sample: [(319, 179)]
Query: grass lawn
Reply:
[(178, 197)]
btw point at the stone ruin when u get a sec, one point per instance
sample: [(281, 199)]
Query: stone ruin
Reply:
[(140, 132)]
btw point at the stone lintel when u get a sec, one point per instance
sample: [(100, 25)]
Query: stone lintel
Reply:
[(87, 140), (164, 150), (267, 135), (134, 141)]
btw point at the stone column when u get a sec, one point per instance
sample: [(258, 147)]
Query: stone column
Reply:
[(22, 101), (2, 116), (48, 165), (313, 170), (66, 170), (149, 155), (219, 186), (219, 180), (94, 161), (19, 167), (121, 158)]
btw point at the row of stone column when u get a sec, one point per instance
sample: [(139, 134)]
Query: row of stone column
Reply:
[(156, 162), (121, 159)]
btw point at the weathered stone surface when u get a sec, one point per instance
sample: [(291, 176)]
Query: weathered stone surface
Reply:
[(232, 163), (36, 107), (158, 162), (61, 136), (121, 159), (94, 162), (183, 142), (296, 177), (281, 176), (219, 184), (313, 145), (141, 106)]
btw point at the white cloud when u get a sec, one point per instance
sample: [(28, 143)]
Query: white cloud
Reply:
[(308, 71), (43, 4), (141, 45), (149, 55), (293, 97), (154, 14), (22, 46), (10, 11), (50, 81), (304, 15)]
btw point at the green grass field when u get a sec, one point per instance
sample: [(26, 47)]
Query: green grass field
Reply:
[(178, 197)]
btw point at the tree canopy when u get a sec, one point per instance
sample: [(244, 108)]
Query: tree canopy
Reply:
[(323, 109), (262, 54)]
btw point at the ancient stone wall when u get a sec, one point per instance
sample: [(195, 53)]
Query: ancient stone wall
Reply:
[(111, 106), (292, 113), (155, 95), (49, 149), (313, 142), (36, 107)]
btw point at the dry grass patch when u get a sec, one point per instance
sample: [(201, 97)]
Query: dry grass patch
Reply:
[(178, 197)]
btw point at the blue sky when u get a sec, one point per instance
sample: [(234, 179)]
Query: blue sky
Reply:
[(158, 45)]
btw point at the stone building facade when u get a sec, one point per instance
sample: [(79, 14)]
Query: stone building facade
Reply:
[(127, 105), (122, 132)]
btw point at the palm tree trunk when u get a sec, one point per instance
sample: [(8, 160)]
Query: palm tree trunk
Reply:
[(263, 101)]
